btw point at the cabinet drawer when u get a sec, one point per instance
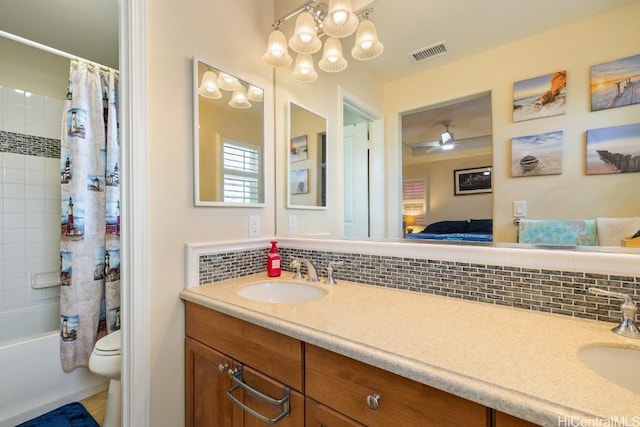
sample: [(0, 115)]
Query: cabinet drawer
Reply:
[(272, 353), (344, 384)]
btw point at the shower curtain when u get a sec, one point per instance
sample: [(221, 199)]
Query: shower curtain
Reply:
[(90, 213)]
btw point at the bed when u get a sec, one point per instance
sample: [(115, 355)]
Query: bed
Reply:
[(474, 230)]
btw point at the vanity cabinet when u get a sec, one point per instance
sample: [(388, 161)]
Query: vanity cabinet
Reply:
[(325, 389)]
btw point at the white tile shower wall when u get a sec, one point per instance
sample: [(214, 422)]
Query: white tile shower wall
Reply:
[(30, 195)]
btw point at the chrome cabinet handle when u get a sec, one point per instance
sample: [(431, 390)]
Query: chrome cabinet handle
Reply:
[(222, 367), (373, 401), (236, 377)]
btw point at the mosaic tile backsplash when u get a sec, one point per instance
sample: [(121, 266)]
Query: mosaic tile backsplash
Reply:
[(552, 291)]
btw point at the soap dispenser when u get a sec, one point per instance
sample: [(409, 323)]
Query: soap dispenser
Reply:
[(273, 261)]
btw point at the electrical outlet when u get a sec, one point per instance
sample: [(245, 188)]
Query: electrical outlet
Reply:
[(519, 208), (293, 224), (254, 225)]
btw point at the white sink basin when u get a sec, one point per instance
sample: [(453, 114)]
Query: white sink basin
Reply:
[(618, 365), (281, 292)]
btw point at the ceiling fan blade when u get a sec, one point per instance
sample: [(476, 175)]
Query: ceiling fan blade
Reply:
[(423, 144)]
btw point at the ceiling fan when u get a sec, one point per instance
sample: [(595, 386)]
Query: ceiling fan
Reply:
[(446, 141)]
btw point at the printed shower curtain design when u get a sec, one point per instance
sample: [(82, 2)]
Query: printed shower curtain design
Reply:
[(90, 216)]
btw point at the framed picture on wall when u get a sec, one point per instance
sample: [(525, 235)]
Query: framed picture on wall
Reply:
[(539, 97), (298, 149), (299, 181), (539, 154), (614, 83), (472, 181), (613, 150)]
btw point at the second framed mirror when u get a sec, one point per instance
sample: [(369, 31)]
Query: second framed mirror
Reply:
[(306, 158)]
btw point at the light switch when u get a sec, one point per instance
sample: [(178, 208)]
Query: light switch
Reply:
[(519, 208), (293, 224), (254, 225)]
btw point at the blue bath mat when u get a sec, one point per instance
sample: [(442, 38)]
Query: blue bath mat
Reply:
[(70, 415)]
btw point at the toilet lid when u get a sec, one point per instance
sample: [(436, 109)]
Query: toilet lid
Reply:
[(110, 343)]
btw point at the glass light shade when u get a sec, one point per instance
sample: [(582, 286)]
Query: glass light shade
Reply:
[(255, 94), (367, 45), (208, 86), (305, 39), (332, 60), (304, 71), (227, 82), (239, 98), (277, 54), (340, 21)]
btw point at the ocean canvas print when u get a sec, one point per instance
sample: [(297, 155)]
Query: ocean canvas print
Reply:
[(613, 150), (539, 97), (539, 154), (616, 83)]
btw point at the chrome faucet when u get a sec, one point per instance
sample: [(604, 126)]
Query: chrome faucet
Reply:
[(297, 263), (627, 327), (312, 271), (330, 280)]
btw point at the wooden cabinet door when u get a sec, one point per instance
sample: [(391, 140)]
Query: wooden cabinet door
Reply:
[(207, 404), (318, 415), (273, 389)]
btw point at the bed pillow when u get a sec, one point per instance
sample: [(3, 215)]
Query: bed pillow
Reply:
[(445, 227), (480, 226)]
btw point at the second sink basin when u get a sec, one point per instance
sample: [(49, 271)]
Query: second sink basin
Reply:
[(617, 364), (281, 292)]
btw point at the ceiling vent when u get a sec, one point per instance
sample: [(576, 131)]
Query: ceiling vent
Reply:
[(429, 52)]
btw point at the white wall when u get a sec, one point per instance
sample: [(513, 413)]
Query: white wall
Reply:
[(574, 47), (32, 86), (231, 36)]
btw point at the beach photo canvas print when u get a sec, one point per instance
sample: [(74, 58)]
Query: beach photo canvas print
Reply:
[(539, 154), (613, 150), (616, 83), (539, 97)]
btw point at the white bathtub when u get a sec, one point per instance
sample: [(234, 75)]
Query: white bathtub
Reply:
[(31, 378)]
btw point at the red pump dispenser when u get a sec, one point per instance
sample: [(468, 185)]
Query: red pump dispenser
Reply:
[(273, 261)]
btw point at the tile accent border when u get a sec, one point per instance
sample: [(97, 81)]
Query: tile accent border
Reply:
[(551, 290), (29, 145)]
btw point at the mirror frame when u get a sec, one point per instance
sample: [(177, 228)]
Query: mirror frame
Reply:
[(198, 202), (289, 137)]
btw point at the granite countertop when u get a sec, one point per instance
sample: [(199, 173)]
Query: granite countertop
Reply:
[(521, 362)]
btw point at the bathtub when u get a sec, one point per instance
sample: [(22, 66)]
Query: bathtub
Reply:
[(31, 377)]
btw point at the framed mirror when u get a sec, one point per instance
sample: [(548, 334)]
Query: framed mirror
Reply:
[(306, 158), (228, 132)]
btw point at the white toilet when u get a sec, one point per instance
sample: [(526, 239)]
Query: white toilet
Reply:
[(105, 360)]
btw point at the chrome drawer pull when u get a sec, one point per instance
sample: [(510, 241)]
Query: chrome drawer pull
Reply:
[(373, 401), (222, 367), (236, 376)]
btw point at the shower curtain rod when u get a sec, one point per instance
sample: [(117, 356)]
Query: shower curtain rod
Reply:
[(52, 50)]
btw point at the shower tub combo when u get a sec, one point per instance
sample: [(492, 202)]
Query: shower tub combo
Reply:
[(33, 381)]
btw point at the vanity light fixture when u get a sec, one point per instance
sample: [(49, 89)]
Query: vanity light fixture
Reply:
[(239, 98), (339, 21), (227, 82), (255, 94), (208, 86)]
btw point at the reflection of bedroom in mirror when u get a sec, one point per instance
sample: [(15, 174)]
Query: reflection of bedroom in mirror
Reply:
[(437, 143), (228, 139), (306, 159)]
